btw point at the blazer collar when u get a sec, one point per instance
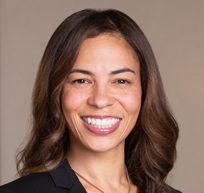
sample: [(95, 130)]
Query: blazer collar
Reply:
[(63, 176)]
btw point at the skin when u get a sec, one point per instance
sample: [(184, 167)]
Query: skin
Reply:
[(104, 82)]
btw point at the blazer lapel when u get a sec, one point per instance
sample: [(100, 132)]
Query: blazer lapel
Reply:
[(64, 177)]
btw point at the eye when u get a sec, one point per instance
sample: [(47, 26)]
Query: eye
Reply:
[(122, 81), (81, 81)]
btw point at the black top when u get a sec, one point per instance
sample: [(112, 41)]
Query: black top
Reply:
[(60, 180)]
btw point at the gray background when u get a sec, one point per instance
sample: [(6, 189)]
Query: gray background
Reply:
[(175, 30)]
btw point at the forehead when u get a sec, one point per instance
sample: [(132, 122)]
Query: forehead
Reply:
[(106, 49)]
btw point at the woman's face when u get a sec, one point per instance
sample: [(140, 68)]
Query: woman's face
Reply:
[(101, 98)]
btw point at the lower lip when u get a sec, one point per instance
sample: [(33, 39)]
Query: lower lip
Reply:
[(102, 131)]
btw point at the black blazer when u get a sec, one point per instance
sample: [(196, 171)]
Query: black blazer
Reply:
[(60, 180)]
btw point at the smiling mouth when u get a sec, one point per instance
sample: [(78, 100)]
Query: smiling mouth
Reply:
[(102, 125)]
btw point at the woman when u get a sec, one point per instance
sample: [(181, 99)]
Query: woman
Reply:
[(101, 122)]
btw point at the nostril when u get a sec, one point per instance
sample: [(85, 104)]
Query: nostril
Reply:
[(100, 100)]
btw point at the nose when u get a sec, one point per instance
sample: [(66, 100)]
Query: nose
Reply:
[(100, 97)]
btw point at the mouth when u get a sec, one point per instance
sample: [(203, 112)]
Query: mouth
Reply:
[(101, 125)]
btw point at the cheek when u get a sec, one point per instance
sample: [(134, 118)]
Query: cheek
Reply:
[(131, 102), (72, 100)]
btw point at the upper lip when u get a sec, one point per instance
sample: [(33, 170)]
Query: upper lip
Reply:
[(101, 116)]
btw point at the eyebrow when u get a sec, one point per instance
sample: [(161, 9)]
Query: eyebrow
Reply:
[(77, 70), (122, 71)]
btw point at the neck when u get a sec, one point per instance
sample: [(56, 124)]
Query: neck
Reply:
[(103, 167)]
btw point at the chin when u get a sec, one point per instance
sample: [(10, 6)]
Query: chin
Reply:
[(103, 145)]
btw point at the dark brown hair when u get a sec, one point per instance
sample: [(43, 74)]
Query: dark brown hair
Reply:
[(150, 148)]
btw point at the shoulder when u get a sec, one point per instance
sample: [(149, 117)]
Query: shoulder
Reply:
[(33, 183), (172, 190), (61, 180)]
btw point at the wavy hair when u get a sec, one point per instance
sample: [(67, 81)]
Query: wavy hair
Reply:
[(150, 149)]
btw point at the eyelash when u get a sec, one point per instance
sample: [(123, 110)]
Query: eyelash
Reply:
[(122, 81), (81, 81), (85, 81)]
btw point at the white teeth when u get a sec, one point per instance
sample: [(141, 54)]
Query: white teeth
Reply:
[(89, 120), (101, 123)]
